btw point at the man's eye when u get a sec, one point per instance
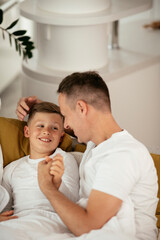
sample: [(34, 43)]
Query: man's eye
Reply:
[(40, 126)]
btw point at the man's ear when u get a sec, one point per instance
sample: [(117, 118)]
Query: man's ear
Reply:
[(82, 107), (26, 131)]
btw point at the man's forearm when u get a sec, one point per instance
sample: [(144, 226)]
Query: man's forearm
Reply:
[(74, 217), (100, 206)]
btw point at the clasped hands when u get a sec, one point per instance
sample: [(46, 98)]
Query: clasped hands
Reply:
[(50, 172)]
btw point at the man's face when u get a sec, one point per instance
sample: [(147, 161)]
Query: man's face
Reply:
[(44, 131), (72, 118)]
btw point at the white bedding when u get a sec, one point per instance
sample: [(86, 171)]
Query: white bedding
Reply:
[(40, 224), (47, 226), (36, 217), (34, 224)]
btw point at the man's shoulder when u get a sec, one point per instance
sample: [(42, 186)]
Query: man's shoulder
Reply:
[(122, 141)]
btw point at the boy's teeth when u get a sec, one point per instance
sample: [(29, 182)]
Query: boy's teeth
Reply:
[(45, 140)]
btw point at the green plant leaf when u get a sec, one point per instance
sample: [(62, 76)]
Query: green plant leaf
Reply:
[(12, 24), (10, 39), (30, 47), (24, 55), (23, 45), (24, 39), (29, 54), (16, 44), (3, 34), (28, 43), (19, 49), (1, 16), (19, 32)]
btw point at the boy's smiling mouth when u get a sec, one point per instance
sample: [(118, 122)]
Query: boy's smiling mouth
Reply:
[(44, 139)]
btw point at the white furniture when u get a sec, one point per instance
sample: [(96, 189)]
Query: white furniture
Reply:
[(70, 38), (131, 72)]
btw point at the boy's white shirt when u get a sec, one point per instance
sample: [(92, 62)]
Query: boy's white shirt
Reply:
[(24, 171)]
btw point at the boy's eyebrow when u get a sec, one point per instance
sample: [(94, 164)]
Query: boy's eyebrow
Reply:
[(57, 123), (53, 122)]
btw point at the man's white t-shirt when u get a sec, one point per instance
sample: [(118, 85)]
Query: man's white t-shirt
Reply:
[(121, 166)]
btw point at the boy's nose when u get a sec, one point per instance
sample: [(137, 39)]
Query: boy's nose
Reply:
[(46, 131)]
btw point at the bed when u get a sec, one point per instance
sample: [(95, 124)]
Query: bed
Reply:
[(14, 146)]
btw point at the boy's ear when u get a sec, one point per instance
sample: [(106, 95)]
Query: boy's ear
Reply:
[(26, 131), (62, 135)]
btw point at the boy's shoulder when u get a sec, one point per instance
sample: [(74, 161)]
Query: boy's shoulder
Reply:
[(15, 163), (68, 156), (10, 168), (62, 152)]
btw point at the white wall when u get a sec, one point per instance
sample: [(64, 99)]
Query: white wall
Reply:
[(136, 105)]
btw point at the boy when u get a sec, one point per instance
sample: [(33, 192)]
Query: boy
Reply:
[(45, 131)]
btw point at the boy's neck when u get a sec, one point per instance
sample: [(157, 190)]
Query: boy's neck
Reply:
[(40, 155)]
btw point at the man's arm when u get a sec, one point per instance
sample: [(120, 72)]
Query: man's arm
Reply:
[(100, 208)]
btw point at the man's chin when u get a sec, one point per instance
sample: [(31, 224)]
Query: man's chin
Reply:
[(80, 140)]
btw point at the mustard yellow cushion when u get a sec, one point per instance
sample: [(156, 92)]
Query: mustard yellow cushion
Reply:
[(13, 143), (80, 147), (156, 159)]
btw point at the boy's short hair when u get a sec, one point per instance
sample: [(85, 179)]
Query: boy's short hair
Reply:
[(44, 107)]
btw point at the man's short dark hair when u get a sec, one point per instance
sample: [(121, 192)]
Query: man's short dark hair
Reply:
[(88, 86), (44, 107)]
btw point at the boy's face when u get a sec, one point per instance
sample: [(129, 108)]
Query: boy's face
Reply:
[(44, 131)]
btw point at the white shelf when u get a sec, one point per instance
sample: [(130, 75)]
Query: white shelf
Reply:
[(119, 9), (134, 55), (121, 63)]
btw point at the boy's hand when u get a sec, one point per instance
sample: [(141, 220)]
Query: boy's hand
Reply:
[(57, 170), (7, 216), (24, 105)]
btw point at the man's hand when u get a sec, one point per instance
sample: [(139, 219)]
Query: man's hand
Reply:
[(100, 207), (57, 170), (50, 172), (7, 216), (24, 105), (45, 179)]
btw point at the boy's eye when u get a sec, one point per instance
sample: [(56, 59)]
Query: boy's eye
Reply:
[(40, 126), (55, 128)]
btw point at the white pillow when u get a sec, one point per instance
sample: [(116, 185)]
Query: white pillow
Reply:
[(4, 196), (77, 156), (1, 165)]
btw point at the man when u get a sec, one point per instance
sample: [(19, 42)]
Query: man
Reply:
[(118, 180)]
